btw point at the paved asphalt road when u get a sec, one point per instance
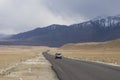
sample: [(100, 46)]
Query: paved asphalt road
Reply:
[(69, 69)]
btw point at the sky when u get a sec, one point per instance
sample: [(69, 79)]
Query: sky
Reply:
[(23, 15)]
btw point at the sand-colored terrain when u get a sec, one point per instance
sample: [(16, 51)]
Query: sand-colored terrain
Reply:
[(27, 62), (108, 52), (24, 63)]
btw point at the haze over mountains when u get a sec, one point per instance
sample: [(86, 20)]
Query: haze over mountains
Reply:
[(96, 30), (3, 36)]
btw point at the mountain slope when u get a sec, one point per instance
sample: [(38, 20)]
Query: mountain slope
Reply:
[(114, 44), (96, 30)]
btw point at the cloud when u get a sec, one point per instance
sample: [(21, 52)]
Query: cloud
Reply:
[(22, 15), (84, 8)]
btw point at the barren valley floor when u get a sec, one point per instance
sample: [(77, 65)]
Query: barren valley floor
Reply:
[(24, 63)]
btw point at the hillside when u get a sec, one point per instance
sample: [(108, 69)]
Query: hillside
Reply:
[(115, 44)]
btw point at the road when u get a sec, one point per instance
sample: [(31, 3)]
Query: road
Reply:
[(69, 69)]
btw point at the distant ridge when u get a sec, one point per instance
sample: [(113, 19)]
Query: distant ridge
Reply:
[(3, 36)]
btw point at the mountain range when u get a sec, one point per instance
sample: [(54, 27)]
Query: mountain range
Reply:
[(99, 29)]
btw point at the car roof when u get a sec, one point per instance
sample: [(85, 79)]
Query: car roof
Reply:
[(58, 53)]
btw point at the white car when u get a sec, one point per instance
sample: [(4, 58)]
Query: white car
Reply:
[(58, 56)]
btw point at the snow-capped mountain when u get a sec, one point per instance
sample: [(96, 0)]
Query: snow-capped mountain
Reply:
[(109, 21)]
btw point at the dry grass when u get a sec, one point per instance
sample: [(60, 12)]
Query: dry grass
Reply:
[(15, 62), (104, 56), (105, 51), (10, 55)]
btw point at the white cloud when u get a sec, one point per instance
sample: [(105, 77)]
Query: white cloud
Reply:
[(22, 15)]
